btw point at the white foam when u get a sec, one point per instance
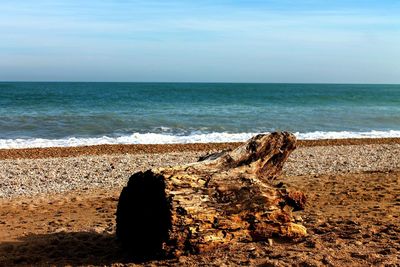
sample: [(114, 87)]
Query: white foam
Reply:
[(346, 134), (153, 138)]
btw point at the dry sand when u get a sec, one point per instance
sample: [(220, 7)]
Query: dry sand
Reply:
[(60, 210)]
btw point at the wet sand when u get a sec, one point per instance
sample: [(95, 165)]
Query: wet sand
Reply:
[(65, 215)]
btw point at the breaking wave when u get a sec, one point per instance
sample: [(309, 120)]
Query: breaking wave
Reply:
[(156, 138)]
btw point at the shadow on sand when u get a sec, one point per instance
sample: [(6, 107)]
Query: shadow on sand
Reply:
[(65, 248)]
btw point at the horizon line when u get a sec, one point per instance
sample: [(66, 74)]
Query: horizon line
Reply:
[(202, 82)]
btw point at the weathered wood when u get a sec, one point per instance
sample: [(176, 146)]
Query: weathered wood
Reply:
[(226, 197)]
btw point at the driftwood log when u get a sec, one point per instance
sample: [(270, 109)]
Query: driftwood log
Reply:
[(226, 197)]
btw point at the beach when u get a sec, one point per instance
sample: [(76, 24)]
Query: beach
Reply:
[(58, 204), (200, 133)]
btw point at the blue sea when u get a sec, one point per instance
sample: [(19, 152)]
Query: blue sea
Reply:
[(43, 114)]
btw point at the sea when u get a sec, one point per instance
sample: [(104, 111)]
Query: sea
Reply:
[(59, 114)]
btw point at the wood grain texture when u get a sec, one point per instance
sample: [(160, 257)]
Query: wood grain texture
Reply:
[(226, 197)]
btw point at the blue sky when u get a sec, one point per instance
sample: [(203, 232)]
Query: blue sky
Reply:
[(331, 41)]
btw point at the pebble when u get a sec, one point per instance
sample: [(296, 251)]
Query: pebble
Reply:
[(25, 177), (35, 177), (76, 198), (357, 158)]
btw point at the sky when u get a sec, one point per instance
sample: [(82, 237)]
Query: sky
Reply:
[(316, 41)]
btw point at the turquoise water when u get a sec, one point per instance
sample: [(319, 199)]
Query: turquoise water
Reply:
[(184, 112)]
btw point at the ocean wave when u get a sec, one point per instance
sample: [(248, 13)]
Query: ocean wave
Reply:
[(346, 134), (155, 138)]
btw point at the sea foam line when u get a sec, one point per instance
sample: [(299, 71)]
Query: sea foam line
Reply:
[(153, 138)]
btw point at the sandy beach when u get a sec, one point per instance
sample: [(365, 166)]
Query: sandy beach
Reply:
[(58, 204), (200, 133)]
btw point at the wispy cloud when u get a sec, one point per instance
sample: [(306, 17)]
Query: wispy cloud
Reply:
[(241, 40)]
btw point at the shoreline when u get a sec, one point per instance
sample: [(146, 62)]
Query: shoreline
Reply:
[(62, 152)]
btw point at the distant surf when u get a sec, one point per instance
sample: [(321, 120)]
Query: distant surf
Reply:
[(154, 138), (61, 114)]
